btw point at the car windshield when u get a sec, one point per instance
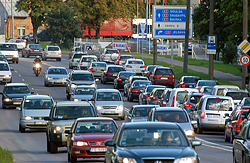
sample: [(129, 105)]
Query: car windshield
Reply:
[(195, 99), (141, 83), (141, 111), (77, 49), (3, 58), (111, 51), (126, 57), (108, 96), (35, 46), (38, 103), (219, 104), (152, 137), (53, 49), (150, 69), (237, 95), (207, 83), (247, 102), (158, 93), (135, 62), (57, 71), (221, 90), (86, 77), (164, 72), (115, 69), (85, 91), (8, 47), (16, 89), (4, 67), (99, 64), (87, 59), (180, 95), (149, 89), (126, 75), (138, 79), (191, 80), (78, 56), (72, 112), (207, 90), (93, 47), (97, 126), (20, 41), (171, 116)]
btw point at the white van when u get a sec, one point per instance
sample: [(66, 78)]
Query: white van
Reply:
[(10, 51), (218, 89)]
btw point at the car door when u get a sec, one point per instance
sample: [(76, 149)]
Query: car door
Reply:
[(110, 155)]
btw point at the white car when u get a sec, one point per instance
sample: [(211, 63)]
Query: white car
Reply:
[(110, 55), (135, 65), (52, 52), (19, 42), (85, 61), (5, 72)]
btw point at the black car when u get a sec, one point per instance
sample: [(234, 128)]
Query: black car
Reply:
[(32, 50), (13, 94), (149, 70), (163, 99), (147, 142), (146, 91), (110, 73), (135, 89), (121, 78), (187, 82), (130, 80)]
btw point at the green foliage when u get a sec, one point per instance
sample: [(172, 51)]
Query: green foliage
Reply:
[(63, 26), (229, 53), (6, 156)]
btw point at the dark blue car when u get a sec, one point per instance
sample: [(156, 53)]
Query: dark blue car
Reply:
[(136, 87)]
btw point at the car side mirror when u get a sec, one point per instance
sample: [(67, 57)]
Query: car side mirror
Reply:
[(18, 108), (109, 143), (196, 142), (226, 115), (238, 137)]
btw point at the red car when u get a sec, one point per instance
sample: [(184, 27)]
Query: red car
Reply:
[(87, 137)]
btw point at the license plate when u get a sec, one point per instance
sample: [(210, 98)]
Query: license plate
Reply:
[(36, 50), (165, 78), (98, 149), (16, 103), (38, 123), (213, 116), (110, 112), (114, 74)]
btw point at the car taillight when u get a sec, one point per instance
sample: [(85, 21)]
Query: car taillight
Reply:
[(154, 98), (60, 54), (108, 73), (171, 77), (142, 67), (183, 85), (173, 101), (46, 52), (105, 53), (164, 104), (91, 70), (118, 53), (156, 77), (189, 105), (129, 85), (31, 50), (198, 89), (148, 74), (237, 127), (202, 115), (128, 66), (135, 90), (146, 97), (73, 60), (118, 61), (119, 80)]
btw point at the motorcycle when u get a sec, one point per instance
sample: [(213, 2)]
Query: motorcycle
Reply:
[(37, 69)]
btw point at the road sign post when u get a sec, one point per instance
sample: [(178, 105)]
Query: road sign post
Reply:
[(211, 44)]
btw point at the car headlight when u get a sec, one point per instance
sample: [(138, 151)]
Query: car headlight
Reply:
[(92, 85), (98, 107), (16, 55), (80, 143), (76, 100), (186, 160), (189, 132), (126, 160), (57, 129), (27, 118), (49, 78), (7, 99), (120, 107), (7, 76), (65, 78), (73, 86)]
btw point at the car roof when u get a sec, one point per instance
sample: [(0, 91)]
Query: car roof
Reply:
[(84, 86), (4, 62), (57, 67), (72, 103), (137, 81), (147, 106), (191, 76), (217, 96), (114, 66), (138, 77), (134, 59), (126, 55), (157, 86), (81, 71), (207, 80), (162, 68), (107, 90), (52, 46), (38, 97), (95, 119), (159, 89), (16, 84), (127, 72), (169, 109), (226, 86), (89, 56), (151, 125), (233, 90)]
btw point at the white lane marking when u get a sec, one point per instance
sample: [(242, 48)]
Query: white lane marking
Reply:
[(23, 80), (19, 75), (217, 147), (32, 88), (208, 142)]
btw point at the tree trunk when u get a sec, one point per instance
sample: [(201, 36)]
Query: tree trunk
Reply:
[(97, 34), (35, 27)]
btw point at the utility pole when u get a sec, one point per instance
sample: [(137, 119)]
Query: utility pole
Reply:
[(185, 62), (155, 47), (211, 32), (245, 26), (147, 20), (12, 17)]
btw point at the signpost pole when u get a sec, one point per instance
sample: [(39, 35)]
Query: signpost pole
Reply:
[(155, 46), (211, 32), (245, 26), (172, 52), (185, 62)]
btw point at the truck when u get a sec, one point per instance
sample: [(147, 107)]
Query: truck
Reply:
[(121, 28)]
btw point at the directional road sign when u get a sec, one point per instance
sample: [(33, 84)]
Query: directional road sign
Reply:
[(211, 44), (169, 22), (245, 59), (142, 29), (244, 46)]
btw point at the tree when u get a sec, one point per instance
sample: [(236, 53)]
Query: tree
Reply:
[(63, 25), (37, 10)]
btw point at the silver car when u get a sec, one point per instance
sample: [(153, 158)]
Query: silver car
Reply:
[(74, 59), (135, 65), (56, 76), (5, 72), (108, 102), (139, 113), (52, 52), (85, 62), (82, 93), (33, 110)]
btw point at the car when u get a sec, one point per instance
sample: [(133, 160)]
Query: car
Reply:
[(163, 76), (218, 89), (139, 113), (151, 142), (149, 70), (26, 37), (145, 93), (187, 82), (82, 93), (129, 82), (56, 76), (177, 95), (87, 137), (211, 111), (32, 50), (13, 94), (79, 77), (109, 103), (52, 52), (164, 98), (97, 68), (5, 72), (206, 89), (3, 58), (10, 51), (110, 55), (201, 83), (74, 50), (173, 114), (122, 59), (110, 73), (19, 42), (94, 49), (85, 62), (135, 65), (121, 79), (61, 118), (33, 110), (240, 145), (75, 58), (136, 87), (154, 96), (237, 95)]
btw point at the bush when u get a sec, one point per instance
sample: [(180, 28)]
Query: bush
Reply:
[(6, 156), (229, 53)]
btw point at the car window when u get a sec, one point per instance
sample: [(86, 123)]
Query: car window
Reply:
[(135, 62), (77, 56), (53, 49), (72, 112), (141, 111), (57, 71), (247, 102), (16, 89), (126, 75), (4, 67), (219, 104), (158, 93), (133, 79), (108, 96), (208, 90), (85, 91), (207, 83), (195, 99), (237, 95), (99, 64), (125, 57), (35, 46), (180, 95), (8, 47), (141, 84), (38, 103), (115, 69), (171, 116), (163, 72), (191, 80), (111, 51), (86, 77), (150, 69), (95, 127), (87, 59)]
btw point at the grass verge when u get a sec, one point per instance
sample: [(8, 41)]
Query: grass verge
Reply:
[(6, 156)]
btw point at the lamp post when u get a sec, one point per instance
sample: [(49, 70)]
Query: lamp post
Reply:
[(5, 21)]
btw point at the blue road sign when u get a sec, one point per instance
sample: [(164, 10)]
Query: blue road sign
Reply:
[(142, 29), (170, 15), (211, 41)]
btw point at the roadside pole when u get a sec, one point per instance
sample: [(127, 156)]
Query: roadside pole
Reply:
[(185, 62), (245, 28), (155, 46), (211, 32)]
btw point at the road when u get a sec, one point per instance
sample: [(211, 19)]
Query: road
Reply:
[(31, 145)]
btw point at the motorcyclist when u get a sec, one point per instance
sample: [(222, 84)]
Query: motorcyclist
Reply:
[(37, 60)]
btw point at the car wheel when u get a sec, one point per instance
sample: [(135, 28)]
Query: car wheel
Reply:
[(104, 81), (17, 62), (45, 84), (48, 146), (225, 137), (199, 129), (127, 98), (131, 99), (21, 129), (231, 137), (59, 59), (53, 147), (72, 158), (3, 106), (22, 54)]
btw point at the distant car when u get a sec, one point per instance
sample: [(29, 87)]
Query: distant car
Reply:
[(97, 68), (75, 58), (121, 79), (110, 55), (10, 51), (206, 89), (149, 70), (237, 95), (85, 62), (151, 142), (33, 110), (32, 50), (110, 73), (139, 113), (5, 72), (13, 94), (129, 82), (91, 133), (74, 50), (52, 52), (154, 96), (135, 65), (56, 76), (94, 49), (218, 89), (201, 83), (123, 58), (145, 93), (136, 87), (164, 98), (82, 93), (19, 42), (163, 76), (187, 82)]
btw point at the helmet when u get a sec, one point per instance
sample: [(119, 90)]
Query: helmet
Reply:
[(37, 57)]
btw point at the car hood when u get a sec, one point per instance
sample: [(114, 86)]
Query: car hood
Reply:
[(160, 152), (64, 122), (138, 119), (101, 137), (58, 75), (83, 82), (186, 126), (83, 97), (17, 95), (109, 103), (36, 112)]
